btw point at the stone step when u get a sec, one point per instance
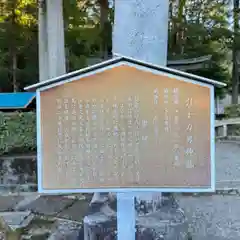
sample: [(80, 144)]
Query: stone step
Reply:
[(16, 220), (8, 203), (76, 212), (48, 205)]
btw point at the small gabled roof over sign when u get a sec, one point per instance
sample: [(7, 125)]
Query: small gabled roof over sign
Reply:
[(18, 100), (122, 60)]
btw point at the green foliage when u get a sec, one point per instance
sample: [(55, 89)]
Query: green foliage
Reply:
[(233, 111), (197, 28), (201, 27), (83, 34), (17, 132), (18, 43)]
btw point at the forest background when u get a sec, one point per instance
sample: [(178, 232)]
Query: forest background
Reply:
[(196, 28)]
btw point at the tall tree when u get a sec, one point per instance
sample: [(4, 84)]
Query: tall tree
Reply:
[(196, 28), (201, 27), (235, 52), (17, 30), (105, 28)]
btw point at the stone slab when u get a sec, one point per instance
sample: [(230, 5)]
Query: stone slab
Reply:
[(75, 212), (7, 203), (26, 201), (15, 220), (167, 221), (19, 170), (48, 205), (65, 230), (99, 226)]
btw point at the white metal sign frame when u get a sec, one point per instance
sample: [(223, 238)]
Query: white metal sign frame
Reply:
[(126, 190)]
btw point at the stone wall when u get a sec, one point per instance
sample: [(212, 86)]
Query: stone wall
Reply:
[(18, 173)]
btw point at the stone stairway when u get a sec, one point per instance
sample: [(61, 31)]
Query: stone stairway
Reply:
[(61, 217), (48, 217)]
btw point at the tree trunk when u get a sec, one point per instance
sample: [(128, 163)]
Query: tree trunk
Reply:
[(14, 71), (13, 49), (104, 23), (235, 72), (178, 29)]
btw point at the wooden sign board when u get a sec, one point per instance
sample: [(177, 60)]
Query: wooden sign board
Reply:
[(126, 128)]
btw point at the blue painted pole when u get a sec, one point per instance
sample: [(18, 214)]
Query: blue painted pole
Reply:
[(126, 216)]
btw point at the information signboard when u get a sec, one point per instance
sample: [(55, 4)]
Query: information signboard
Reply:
[(126, 128)]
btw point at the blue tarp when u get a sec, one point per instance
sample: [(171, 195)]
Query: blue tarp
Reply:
[(16, 100)]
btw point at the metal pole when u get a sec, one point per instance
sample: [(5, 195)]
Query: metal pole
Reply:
[(126, 216), (141, 32)]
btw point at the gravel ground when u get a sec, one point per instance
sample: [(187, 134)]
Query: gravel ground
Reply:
[(213, 217), (228, 164), (217, 217)]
